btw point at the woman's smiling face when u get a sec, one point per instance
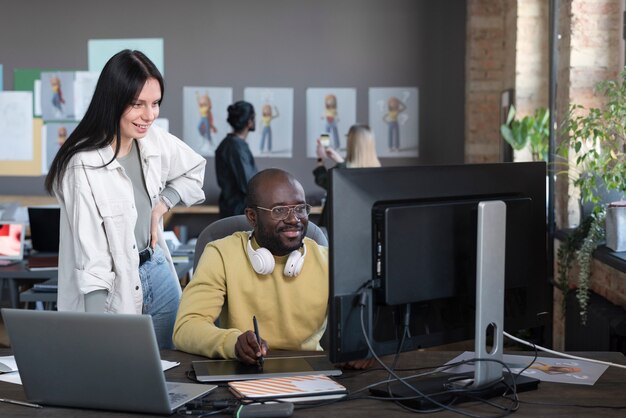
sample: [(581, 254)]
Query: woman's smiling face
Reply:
[(142, 112)]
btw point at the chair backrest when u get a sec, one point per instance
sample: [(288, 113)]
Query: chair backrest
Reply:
[(227, 226)]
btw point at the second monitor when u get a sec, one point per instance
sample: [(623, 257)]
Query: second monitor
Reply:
[(403, 239)]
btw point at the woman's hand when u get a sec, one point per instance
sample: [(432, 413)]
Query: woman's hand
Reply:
[(155, 219), (334, 155), (319, 150), (323, 152)]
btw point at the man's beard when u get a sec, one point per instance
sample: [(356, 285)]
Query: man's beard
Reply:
[(271, 241)]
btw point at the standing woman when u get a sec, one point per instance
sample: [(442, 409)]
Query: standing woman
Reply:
[(361, 152), (115, 177)]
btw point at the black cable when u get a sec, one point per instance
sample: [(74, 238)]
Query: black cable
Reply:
[(199, 407), (401, 380), (574, 405), (217, 411)]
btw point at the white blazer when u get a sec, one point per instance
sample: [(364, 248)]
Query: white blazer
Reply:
[(97, 247)]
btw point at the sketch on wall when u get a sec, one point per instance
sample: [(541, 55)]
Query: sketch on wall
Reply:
[(53, 135), (393, 117), (331, 111), (99, 51), (16, 125), (204, 117), (57, 95), (273, 134), (37, 98), (84, 86)]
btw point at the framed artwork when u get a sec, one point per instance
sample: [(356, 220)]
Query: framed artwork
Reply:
[(393, 117), (331, 111), (205, 117), (99, 51), (57, 95), (273, 134), (53, 135)]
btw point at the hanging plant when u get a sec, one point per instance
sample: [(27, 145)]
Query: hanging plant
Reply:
[(584, 257), (566, 254)]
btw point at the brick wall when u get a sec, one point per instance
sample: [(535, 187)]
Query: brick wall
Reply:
[(490, 70), (532, 56), (590, 50), (508, 47)]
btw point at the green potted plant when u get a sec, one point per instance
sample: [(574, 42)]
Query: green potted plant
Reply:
[(596, 138), (531, 131)]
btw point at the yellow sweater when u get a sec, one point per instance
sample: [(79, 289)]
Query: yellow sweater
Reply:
[(291, 311)]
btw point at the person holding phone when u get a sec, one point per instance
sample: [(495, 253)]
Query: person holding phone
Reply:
[(361, 152)]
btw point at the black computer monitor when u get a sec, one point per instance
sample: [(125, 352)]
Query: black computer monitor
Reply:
[(44, 228), (403, 240)]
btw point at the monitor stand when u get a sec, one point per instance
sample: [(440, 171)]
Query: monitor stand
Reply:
[(488, 379)]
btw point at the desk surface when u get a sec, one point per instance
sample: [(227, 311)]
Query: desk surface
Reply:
[(20, 271), (609, 390)]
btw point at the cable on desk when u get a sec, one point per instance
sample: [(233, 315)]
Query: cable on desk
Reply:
[(441, 406), (574, 405), (199, 408), (558, 353)]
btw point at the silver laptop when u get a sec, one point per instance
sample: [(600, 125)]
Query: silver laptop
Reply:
[(95, 361)]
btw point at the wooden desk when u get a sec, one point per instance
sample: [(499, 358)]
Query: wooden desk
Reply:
[(18, 271), (609, 390)]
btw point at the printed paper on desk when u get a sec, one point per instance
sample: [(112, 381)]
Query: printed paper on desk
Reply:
[(8, 364), (292, 388), (547, 369)]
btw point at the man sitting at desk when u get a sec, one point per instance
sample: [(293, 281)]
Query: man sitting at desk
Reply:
[(275, 274)]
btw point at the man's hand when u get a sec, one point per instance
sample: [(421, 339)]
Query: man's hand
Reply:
[(248, 350), (155, 219)]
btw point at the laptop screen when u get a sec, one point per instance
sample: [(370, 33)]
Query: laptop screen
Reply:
[(44, 228), (11, 240)]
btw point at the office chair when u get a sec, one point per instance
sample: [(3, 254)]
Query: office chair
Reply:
[(227, 226)]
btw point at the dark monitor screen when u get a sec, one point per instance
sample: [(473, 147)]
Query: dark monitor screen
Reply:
[(44, 228), (404, 240)]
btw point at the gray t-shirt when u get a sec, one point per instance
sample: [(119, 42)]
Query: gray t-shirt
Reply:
[(132, 165)]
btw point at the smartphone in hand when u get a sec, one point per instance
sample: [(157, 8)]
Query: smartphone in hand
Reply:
[(325, 140)]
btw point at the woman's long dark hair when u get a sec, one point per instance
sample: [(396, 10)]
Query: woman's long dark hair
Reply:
[(122, 79)]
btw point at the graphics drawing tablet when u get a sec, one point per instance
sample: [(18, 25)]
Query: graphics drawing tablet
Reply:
[(228, 370)]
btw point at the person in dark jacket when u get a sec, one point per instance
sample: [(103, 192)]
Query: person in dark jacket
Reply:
[(234, 163)]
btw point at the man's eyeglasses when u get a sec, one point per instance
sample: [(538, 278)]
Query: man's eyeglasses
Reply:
[(279, 213)]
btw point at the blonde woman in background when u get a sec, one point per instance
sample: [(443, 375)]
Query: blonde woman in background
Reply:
[(361, 152)]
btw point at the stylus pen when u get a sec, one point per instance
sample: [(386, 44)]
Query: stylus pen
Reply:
[(22, 403), (258, 337)]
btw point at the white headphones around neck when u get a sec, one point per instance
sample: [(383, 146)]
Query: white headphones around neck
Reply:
[(263, 262)]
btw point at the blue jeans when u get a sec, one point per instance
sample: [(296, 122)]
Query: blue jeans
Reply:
[(394, 135), (267, 133), (160, 296)]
